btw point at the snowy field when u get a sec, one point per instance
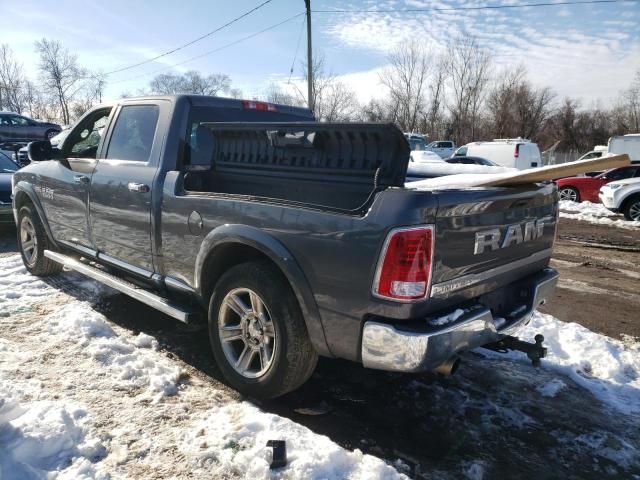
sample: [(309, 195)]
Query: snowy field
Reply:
[(595, 213), (83, 398)]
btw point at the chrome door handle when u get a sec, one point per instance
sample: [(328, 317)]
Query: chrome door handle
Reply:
[(138, 187), (80, 179)]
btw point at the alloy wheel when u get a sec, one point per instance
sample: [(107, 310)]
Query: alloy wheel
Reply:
[(246, 333), (634, 211), (569, 194), (28, 240)]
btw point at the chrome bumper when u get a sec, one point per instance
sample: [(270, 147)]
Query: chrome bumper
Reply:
[(386, 347)]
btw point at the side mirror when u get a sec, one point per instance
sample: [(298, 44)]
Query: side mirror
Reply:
[(39, 151)]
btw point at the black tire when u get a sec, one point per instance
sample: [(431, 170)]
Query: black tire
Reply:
[(570, 191), (49, 134), (631, 208), (30, 228), (293, 356)]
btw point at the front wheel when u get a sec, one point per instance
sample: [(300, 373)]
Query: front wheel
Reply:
[(569, 193), (257, 332), (632, 209), (50, 134), (33, 241)]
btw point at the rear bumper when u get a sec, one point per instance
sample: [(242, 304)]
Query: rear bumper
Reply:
[(394, 348)]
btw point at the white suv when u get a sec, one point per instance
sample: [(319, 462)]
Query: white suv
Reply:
[(622, 196)]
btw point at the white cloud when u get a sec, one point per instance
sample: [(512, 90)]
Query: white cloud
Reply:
[(571, 58)]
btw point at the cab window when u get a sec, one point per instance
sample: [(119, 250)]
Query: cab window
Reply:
[(133, 133), (83, 141)]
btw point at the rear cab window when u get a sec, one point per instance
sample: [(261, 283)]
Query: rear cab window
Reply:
[(133, 134)]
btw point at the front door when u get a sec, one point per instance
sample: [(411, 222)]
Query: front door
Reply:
[(64, 189), (120, 198)]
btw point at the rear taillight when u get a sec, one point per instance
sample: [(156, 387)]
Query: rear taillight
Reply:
[(517, 151), (404, 268), (261, 106)]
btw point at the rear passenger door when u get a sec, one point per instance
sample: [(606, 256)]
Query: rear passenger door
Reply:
[(120, 195)]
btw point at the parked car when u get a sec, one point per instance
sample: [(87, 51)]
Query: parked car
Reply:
[(424, 156), (444, 148), (464, 160), (629, 144), (290, 238), (591, 155), (416, 141), (18, 128), (623, 196), (7, 169), (512, 152), (580, 189)]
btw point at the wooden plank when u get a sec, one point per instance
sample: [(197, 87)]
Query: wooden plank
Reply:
[(522, 177), (552, 172)]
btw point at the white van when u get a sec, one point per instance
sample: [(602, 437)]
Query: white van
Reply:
[(629, 144), (507, 152)]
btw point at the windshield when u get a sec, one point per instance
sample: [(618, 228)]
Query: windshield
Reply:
[(6, 165)]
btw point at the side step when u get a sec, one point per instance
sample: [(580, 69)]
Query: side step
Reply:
[(145, 296)]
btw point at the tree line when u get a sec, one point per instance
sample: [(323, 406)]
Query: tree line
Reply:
[(458, 95)]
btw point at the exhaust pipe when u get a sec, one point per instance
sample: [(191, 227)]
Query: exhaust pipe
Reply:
[(449, 367)]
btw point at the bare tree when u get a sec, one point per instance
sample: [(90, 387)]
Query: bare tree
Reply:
[(11, 80), (61, 74), (333, 100), (434, 118), (515, 107), (469, 74), (275, 94), (191, 82), (406, 80)]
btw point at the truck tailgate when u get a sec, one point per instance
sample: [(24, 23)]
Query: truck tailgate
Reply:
[(485, 231)]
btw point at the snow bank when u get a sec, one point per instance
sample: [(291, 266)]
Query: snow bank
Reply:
[(45, 439), (127, 360), (18, 288), (81, 398), (608, 368), (231, 443), (594, 213)]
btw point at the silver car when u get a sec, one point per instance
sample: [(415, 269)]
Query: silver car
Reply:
[(17, 128)]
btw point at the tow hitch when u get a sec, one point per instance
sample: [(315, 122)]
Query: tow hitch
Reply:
[(535, 351)]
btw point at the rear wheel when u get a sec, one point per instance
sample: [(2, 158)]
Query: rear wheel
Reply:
[(33, 241), (257, 332), (632, 209), (50, 134), (569, 193)]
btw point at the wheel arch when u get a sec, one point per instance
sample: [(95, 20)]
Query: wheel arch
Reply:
[(24, 194), (230, 245), (630, 197)]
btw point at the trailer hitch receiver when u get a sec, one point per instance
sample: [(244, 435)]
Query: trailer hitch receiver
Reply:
[(535, 351)]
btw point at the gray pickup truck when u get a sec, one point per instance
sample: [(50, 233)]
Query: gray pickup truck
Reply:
[(291, 238)]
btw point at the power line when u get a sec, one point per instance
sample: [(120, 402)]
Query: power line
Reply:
[(485, 7), (235, 42), (169, 52), (295, 55)]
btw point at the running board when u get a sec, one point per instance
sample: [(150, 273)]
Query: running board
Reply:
[(145, 296)]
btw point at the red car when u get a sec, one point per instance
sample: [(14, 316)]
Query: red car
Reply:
[(580, 189)]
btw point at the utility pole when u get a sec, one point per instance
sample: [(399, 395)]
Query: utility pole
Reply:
[(307, 4)]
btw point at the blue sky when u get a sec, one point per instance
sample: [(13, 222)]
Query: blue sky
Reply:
[(589, 51)]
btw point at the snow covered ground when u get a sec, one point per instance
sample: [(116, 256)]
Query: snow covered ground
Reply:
[(594, 213), (81, 397)]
